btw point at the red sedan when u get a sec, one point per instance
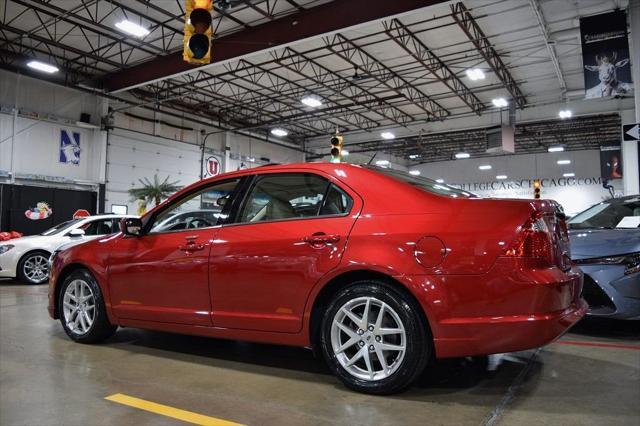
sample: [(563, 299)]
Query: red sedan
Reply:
[(380, 270)]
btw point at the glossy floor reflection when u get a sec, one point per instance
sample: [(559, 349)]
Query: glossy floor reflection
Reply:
[(45, 379)]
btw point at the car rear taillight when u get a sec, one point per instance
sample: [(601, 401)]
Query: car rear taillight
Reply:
[(534, 241)]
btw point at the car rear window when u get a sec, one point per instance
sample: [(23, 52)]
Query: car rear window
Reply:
[(425, 184)]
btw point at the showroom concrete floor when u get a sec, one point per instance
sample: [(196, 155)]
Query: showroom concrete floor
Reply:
[(591, 377)]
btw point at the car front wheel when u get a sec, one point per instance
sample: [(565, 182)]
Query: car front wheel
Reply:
[(82, 310), (373, 338), (34, 268)]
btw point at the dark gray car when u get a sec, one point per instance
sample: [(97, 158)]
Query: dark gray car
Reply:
[(605, 243)]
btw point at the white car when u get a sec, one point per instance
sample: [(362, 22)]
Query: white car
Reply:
[(27, 258)]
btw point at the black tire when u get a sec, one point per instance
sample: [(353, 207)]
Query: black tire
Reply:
[(31, 257), (417, 341), (100, 329)]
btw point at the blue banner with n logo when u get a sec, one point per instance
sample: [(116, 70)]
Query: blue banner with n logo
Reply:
[(69, 147)]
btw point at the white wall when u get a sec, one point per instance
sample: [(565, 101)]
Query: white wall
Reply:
[(575, 194)]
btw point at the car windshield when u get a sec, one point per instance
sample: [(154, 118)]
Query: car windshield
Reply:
[(424, 183), (60, 227), (606, 215)]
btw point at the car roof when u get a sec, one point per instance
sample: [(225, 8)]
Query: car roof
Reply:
[(107, 216)]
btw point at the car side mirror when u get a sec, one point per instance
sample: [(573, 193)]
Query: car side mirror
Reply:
[(131, 226), (75, 233)]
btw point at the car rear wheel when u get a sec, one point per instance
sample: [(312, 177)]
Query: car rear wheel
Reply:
[(374, 339), (82, 310), (33, 268)]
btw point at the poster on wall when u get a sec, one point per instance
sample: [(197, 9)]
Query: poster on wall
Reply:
[(39, 212), (610, 162), (69, 147), (605, 55)]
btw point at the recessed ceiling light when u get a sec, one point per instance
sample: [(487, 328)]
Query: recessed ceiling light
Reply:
[(565, 113), (564, 161), (311, 101), (485, 167), (41, 66), (500, 102), (440, 180), (279, 132), (501, 177), (414, 156), (556, 148), (344, 152), (382, 163), (569, 174), (475, 74), (132, 28), (462, 155), (387, 135), (414, 172)]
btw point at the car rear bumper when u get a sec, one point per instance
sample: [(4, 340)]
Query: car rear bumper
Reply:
[(510, 308)]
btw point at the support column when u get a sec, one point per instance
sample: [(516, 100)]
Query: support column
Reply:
[(630, 149), (226, 159)]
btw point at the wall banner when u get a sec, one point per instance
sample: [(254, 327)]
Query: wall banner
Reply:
[(605, 55), (69, 147), (610, 162)]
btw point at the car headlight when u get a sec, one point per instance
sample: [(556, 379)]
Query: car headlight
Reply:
[(5, 248), (630, 261)]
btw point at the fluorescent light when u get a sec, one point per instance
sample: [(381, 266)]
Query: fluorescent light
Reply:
[(462, 155), (501, 177), (414, 172), (414, 156), (251, 159), (279, 132), (311, 101), (387, 135), (440, 180), (41, 66), (475, 74), (500, 102), (565, 113), (344, 152), (556, 148), (132, 28), (569, 174), (564, 161), (382, 163), (485, 167)]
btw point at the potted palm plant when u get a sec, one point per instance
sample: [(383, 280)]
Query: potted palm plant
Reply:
[(154, 191)]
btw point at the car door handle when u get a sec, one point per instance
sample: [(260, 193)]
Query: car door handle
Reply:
[(191, 246), (321, 238)]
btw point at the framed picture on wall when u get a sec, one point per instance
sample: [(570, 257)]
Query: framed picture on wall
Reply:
[(611, 162)]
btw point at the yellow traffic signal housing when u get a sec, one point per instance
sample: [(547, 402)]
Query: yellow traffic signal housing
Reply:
[(536, 188), (336, 148), (197, 32)]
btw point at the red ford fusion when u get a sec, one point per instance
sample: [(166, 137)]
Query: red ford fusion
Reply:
[(379, 270)]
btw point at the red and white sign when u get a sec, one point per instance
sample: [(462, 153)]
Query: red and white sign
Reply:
[(81, 213), (211, 167)]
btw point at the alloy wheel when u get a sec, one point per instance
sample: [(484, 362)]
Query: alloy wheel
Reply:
[(368, 338), (79, 307), (36, 268)]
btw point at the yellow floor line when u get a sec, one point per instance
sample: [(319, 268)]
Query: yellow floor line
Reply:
[(165, 410)]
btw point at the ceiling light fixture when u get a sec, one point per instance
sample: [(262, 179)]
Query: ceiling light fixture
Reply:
[(382, 163), (387, 135), (414, 156), (414, 172), (462, 155), (41, 66), (132, 28), (555, 148), (500, 102), (279, 132), (501, 177), (311, 101), (475, 74), (485, 167), (569, 174), (565, 113), (344, 152), (440, 180), (564, 161)]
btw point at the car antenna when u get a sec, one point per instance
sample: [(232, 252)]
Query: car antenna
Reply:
[(371, 159)]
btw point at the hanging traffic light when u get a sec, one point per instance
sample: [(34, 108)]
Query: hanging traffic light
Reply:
[(197, 32), (336, 148), (536, 188)]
